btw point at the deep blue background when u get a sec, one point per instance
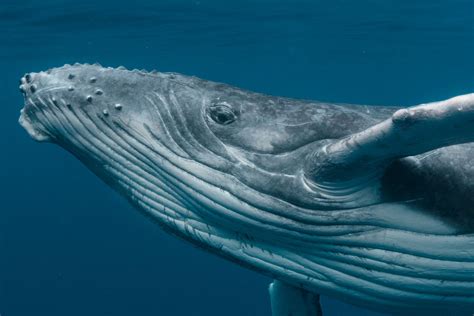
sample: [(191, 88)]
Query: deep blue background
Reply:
[(71, 246)]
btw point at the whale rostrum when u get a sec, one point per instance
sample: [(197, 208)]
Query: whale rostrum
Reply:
[(369, 204)]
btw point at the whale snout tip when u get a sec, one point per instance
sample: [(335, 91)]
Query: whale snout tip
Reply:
[(28, 87)]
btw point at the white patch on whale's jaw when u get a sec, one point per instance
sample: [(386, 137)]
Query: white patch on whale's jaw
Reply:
[(35, 131)]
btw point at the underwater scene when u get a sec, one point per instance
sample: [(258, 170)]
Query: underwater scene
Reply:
[(224, 188)]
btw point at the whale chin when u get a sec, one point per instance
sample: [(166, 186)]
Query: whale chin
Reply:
[(33, 128)]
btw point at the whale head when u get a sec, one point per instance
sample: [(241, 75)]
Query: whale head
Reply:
[(137, 121)]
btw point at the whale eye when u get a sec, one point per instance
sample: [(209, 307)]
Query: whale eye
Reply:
[(222, 113)]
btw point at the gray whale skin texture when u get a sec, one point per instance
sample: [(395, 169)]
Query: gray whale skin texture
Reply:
[(371, 205)]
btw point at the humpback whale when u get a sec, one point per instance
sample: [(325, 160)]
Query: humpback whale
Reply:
[(372, 205)]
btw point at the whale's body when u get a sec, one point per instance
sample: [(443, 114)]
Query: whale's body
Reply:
[(372, 205)]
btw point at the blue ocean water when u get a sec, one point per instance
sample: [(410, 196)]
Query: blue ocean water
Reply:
[(71, 246)]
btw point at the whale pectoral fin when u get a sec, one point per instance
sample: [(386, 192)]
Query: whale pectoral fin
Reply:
[(408, 132), (288, 300)]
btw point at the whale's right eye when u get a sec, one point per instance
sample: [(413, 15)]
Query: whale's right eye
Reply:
[(222, 113)]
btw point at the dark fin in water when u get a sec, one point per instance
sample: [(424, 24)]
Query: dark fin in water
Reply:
[(289, 300)]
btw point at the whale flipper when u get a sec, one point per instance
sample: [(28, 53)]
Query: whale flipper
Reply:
[(289, 300), (407, 132)]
